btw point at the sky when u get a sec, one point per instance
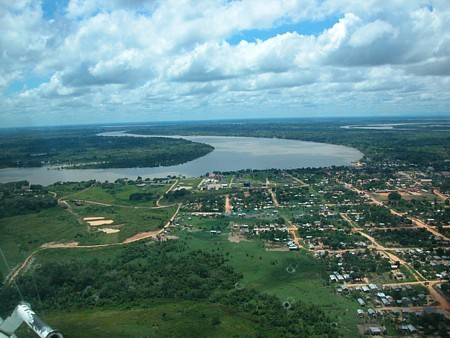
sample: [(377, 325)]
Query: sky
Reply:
[(110, 61)]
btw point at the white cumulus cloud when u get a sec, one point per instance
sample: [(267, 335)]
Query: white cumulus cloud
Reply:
[(159, 58)]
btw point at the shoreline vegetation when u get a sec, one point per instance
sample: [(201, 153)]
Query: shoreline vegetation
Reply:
[(85, 151), (423, 142), (420, 141)]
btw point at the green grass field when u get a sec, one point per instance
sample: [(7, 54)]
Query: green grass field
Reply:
[(291, 276), (128, 220), (120, 195), (21, 235), (163, 319), (83, 255)]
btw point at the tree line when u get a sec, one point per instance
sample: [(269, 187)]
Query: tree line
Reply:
[(85, 150), (18, 198), (143, 273), (421, 146)]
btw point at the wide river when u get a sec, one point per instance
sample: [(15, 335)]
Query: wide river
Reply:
[(230, 154)]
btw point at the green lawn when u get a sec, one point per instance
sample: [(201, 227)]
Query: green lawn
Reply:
[(21, 235)]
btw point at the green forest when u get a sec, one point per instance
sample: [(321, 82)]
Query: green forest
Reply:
[(19, 198), (82, 149), (146, 274)]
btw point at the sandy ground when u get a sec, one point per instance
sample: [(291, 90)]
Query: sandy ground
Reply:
[(274, 198), (141, 235), (92, 218), (102, 222), (227, 204), (109, 230), (415, 193), (53, 245), (405, 195), (187, 187)]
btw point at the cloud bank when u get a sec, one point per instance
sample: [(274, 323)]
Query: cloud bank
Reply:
[(89, 61)]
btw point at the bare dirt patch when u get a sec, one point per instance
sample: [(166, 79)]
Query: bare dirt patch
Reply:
[(109, 230), (236, 238), (103, 222), (53, 245), (92, 218), (142, 235), (228, 207)]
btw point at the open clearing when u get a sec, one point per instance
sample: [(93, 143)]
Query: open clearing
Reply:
[(109, 230), (102, 222), (93, 218), (235, 238)]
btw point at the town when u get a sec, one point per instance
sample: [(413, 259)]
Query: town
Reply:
[(381, 240)]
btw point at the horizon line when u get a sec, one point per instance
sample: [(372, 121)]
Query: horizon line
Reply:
[(421, 116)]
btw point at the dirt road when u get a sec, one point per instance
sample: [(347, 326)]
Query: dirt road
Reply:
[(228, 207), (296, 179), (383, 249), (74, 245), (293, 230), (418, 223), (149, 234), (274, 198), (168, 190), (25, 264), (421, 224), (440, 195)]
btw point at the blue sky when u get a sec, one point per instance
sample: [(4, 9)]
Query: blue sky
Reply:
[(306, 27), (52, 9), (95, 61)]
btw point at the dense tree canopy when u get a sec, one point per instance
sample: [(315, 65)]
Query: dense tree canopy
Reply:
[(169, 271), (83, 149)]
